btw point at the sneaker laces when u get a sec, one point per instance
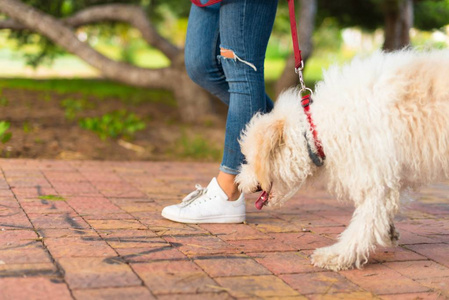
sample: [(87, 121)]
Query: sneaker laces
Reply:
[(194, 195)]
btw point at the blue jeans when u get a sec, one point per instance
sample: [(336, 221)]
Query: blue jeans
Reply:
[(243, 27)]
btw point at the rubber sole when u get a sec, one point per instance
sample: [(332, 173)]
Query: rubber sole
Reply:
[(223, 219)]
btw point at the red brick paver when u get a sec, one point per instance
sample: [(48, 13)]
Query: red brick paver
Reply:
[(93, 230)]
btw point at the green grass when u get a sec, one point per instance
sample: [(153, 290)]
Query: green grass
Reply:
[(52, 198), (91, 87)]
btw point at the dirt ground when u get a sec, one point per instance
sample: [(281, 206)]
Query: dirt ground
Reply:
[(40, 129)]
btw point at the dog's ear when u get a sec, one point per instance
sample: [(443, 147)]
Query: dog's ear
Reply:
[(270, 142)]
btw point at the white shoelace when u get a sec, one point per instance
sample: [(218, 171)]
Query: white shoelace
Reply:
[(193, 195)]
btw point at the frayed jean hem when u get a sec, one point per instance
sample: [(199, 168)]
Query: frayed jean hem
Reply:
[(228, 170)]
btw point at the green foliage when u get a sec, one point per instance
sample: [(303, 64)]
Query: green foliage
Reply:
[(48, 51), (4, 135), (328, 37), (156, 10), (169, 17), (119, 123), (128, 54), (197, 148), (365, 14), (131, 48), (369, 15), (431, 14), (52, 198), (74, 106)]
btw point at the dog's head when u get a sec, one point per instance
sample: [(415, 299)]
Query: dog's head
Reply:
[(275, 148)]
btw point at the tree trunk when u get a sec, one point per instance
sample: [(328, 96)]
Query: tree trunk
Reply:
[(306, 24), (398, 22), (191, 99), (194, 104)]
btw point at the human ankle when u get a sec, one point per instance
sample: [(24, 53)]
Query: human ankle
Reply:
[(227, 184)]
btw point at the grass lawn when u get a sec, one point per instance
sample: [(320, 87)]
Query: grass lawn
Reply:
[(100, 89)]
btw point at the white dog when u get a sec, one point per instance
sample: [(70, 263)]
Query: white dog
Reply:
[(383, 123)]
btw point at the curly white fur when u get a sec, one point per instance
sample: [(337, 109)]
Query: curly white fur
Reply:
[(383, 122)]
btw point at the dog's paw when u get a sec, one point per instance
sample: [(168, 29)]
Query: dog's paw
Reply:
[(330, 258), (394, 236)]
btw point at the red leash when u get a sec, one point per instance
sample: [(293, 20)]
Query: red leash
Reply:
[(299, 66), (299, 63), (306, 100)]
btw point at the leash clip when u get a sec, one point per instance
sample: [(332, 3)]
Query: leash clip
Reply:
[(301, 77), (300, 68)]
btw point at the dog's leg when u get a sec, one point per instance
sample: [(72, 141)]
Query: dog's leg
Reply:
[(394, 235), (371, 224)]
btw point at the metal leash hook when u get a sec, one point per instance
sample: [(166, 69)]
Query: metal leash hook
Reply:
[(303, 87), (301, 77)]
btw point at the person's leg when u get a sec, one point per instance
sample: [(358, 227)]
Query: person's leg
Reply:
[(210, 204), (245, 27), (201, 50), (245, 94)]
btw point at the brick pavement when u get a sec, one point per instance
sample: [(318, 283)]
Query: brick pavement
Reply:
[(92, 230)]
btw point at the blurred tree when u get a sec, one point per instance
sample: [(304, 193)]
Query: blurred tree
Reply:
[(398, 16), (56, 20), (431, 14), (395, 16)]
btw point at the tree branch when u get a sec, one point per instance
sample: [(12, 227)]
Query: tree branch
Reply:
[(131, 14), (63, 36), (126, 13), (11, 24)]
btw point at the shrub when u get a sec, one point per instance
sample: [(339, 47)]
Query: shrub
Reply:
[(116, 124), (4, 135)]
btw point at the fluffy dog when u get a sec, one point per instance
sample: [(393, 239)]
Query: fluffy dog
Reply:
[(383, 123)]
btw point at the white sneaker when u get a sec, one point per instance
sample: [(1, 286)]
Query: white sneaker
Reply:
[(207, 205)]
